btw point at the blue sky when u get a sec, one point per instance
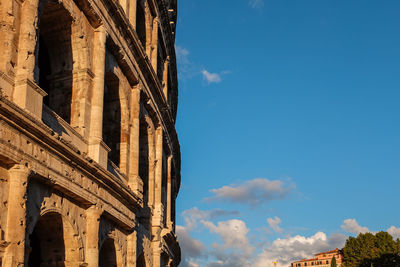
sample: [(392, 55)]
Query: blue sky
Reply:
[(289, 127)]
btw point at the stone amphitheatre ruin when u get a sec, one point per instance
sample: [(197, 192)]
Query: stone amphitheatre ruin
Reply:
[(89, 154)]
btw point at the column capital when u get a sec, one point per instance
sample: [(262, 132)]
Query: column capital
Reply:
[(19, 168), (94, 211), (156, 20)]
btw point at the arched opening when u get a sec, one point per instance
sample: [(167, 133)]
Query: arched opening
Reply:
[(54, 63), (53, 243), (112, 117), (140, 262), (144, 159), (164, 260), (108, 255), (47, 242), (141, 22)]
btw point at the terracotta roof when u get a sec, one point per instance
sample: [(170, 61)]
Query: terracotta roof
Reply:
[(327, 252)]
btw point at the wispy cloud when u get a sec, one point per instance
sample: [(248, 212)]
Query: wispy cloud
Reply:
[(211, 77), (274, 224), (256, 3), (253, 192), (181, 54), (193, 249), (352, 226), (394, 231)]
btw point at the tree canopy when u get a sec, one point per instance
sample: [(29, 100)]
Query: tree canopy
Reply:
[(368, 250)]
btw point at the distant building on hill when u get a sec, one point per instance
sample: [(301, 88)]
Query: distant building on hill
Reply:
[(322, 259)]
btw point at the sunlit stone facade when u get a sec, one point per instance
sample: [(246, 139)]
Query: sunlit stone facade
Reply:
[(89, 154), (323, 259)]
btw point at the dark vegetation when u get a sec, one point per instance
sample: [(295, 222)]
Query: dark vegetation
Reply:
[(367, 250)]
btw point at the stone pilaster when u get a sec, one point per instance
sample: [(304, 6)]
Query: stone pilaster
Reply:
[(97, 148), (131, 249), (165, 78), (156, 254), (149, 28), (158, 213), (27, 94), (157, 218), (132, 12), (7, 35), (27, 40), (154, 44), (169, 198), (16, 216), (135, 182), (92, 236)]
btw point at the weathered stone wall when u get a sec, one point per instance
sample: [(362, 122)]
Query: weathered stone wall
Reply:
[(89, 155)]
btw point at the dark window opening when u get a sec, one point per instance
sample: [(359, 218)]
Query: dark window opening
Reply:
[(107, 254), (141, 23), (47, 242), (112, 117), (54, 62)]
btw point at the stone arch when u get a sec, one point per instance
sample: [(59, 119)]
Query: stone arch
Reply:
[(54, 241), (110, 254), (54, 60), (59, 57), (141, 262)]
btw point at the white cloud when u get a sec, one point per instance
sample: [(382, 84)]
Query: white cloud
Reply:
[(274, 224), (256, 3), (191, 247), (235, 250), (211, 77), (253, 192), (394, 231), (297, 247), (233, 233), (352, 226), (193, 215)]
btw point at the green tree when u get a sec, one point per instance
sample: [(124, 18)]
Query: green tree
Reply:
[(333, 262), (368, 250)]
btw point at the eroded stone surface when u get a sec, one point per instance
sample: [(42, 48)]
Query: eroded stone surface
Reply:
[(89, 155)]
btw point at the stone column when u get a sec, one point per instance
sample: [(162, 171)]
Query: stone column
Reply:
[(27, 94), (82, 77), (131, 249), (27, 40), (97, 148), (124, 5), (132, 12), (154, 44), (16, 216), (169, 199), (93, 215), (152, 159), (158, 166), (157, 255), (158, 212), (135, 182), (7, 35), (165, 78), (149, 28)]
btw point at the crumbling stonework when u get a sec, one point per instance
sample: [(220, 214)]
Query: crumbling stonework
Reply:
[(89, 155)]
